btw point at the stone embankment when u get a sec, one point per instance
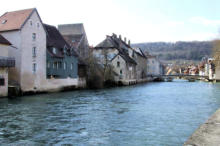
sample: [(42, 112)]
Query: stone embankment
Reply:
[(208, 134)]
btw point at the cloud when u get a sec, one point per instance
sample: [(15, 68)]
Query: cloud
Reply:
[(204, 21)]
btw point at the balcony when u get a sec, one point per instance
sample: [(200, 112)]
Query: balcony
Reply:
[(7, 62)]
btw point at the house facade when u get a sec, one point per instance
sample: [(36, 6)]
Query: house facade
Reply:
[(26, 33), (114, 51), (5, 64), (154, 67), (61, 58), (141, 69)]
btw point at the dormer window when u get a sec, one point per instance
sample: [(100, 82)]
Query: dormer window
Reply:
[(4, 21), (54, 51)]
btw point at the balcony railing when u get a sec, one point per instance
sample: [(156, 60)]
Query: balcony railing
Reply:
[(7, 62)]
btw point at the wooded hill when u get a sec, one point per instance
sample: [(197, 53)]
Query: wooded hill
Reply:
[(178, 51)]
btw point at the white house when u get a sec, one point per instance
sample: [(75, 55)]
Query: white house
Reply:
[(25, 31), (117, 54)]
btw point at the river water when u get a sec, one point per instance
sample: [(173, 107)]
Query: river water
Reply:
[(165, 113)]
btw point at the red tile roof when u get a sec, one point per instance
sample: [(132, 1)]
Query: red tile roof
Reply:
[(14, 20)]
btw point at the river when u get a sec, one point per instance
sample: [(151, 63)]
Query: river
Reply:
[(164, 113)]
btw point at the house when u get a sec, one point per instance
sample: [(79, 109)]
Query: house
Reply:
[(114, 51), (154, 66), (25, 31), (62, 61), (75, 35), (141, 69), (44, 60), (5, 64)]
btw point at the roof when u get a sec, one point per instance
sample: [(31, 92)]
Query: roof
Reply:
[(139, 52), (4, 41), (7, 62), (56, 40), (120, 45), (74, 40), (14, 20)]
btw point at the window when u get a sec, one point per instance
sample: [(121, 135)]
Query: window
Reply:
[(34, 69), (4, 21), (64, 65), (54, 65), (48, 64), (71, 67), (60, 64), (34, 52), (31, 23), (2, 82), (118, 64), (33, 36), (120, 71), (54, 50)]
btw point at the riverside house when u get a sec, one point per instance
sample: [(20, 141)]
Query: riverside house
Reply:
[(118, 56), (61, 58), (75, 36), (31, 47), (141, 69), (5, 63), (154, 66), (25, 31)]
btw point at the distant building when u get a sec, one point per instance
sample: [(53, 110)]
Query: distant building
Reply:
[(154, 66), (75, 35), (5, 64), (115, 52)]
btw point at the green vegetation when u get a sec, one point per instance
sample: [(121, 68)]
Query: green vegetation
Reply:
[(195, 50)]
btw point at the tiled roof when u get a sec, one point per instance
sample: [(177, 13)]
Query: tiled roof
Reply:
[(14, 20), (55, 39), (4, 41)]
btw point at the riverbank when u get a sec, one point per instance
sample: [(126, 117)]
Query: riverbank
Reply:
[(208, 133)]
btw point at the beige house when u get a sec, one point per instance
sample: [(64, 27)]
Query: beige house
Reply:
[(154, 67), (5, 63), (114, 51)]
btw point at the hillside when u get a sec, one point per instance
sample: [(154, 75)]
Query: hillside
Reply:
[(178, 51)]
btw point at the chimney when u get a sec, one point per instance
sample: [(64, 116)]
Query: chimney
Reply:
[(120, 37), (114, 35), (129, 42), (125, 39)]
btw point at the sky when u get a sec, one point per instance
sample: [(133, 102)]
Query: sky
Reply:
[(137, 20)]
